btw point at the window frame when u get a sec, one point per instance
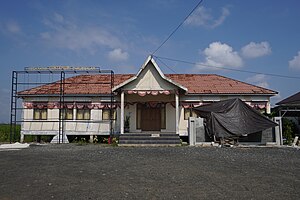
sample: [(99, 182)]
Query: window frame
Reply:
[(83, 111), (114, 113), (64, 113), (39, 111), (191, 113)]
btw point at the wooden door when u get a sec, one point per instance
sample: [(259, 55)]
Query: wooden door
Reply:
[(150, 119)]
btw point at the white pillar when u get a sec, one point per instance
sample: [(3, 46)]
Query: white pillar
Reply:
[(91, 138), (278, 134), (268, 109), (122, 113), (22, 138), (177, 112)]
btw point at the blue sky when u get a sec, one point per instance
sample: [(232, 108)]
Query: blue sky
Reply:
[(257, 35)]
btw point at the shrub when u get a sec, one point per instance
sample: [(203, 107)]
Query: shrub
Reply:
[(5, 133), (289, 129)]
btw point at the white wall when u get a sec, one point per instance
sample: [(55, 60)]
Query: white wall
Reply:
[(94, 126), (170, 118), (102, 127)]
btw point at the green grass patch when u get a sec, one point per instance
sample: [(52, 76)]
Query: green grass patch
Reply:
[(5, 133)]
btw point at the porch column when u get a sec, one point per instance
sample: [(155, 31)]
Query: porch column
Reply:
[(122, 113), (268, 108), (177, 112)]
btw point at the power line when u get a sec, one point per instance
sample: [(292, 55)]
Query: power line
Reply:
[(230, 69), (166, 65), (177, 28)]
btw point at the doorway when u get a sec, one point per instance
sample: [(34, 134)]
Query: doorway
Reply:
[(150, 118)]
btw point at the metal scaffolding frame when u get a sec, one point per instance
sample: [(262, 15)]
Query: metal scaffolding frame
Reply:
[(16, 86)]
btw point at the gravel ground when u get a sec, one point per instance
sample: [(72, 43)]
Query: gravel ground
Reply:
[(103, 172)]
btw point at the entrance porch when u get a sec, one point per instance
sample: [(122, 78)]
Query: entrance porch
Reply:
[(158, 113)]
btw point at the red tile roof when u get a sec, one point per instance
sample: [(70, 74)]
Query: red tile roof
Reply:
[(195, 83), (216, 84)]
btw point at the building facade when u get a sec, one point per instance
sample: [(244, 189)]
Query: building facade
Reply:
[(147, 101)]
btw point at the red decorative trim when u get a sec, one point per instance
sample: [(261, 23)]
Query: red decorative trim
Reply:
[(257, 105), (143, 93), (28, 105)]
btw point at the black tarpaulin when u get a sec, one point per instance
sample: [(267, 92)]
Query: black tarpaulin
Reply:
[(232, 118)]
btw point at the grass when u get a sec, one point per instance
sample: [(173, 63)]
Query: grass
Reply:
[(5, 137), (5, 133)]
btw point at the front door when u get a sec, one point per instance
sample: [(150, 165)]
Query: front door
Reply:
[(150, 119)]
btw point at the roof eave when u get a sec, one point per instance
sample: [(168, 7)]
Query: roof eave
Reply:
[(65, 95), (250, 94)]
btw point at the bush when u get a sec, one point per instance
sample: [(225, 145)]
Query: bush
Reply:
[(5, 133), (289, 129)]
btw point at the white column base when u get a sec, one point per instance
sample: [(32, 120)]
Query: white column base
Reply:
[(56, 140), (91, 138), (22, 138)]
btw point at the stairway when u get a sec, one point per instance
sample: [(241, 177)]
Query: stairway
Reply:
[(149, 139)]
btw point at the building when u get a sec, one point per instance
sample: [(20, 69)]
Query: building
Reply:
[(149, 100), (289, 108)]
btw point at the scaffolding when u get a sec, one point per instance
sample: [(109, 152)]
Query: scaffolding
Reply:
[(34, 78)]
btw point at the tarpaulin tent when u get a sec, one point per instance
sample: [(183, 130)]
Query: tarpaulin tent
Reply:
[(232, 118)]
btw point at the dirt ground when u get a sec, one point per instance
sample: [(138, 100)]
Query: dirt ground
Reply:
[(73, 171)]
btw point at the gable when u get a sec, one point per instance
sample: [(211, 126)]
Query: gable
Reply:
[(149, 79)]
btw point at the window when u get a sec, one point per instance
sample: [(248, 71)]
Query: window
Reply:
[(106, 113), (40, 114), (67, 114), (188, 112), (83, 114)]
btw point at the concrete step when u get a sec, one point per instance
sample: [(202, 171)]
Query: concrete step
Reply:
[(149, 142), (149, 139), (149, 134)]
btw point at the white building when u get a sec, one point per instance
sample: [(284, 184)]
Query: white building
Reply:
[(154, 101)]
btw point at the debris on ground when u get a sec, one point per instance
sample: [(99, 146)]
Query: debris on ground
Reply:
[(13, 146)]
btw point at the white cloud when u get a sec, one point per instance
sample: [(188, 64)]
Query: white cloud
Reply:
[(295, 62), (259, 80), (58, 18), (69, 35), (254, 50), (13, 27), (221, 55), (118, 55), (203, 17), (221, 19), (10, 27)]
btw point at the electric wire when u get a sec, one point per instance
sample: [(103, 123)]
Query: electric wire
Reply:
[(166, 65), (226, 68), (172, 33)]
